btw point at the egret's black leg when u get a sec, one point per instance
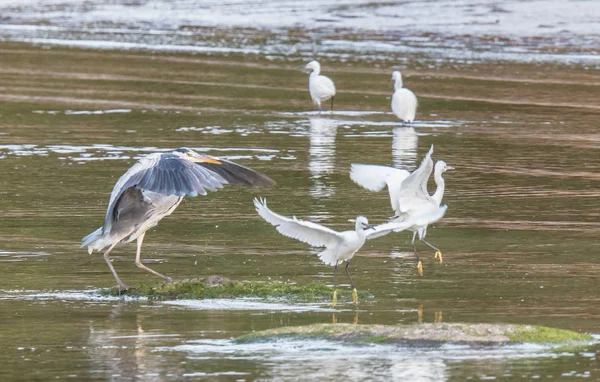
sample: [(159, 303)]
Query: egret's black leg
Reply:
[(354, 291), (438, 253), (334, 299), (332, 104)]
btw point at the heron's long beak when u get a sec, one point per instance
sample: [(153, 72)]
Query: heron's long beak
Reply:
[(204, 159)]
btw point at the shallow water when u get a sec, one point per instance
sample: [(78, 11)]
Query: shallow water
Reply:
[(519, 237)]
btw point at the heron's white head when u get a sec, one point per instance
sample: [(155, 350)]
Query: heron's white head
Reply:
[(192, 156), (441, 167), (397, 78), (313, 67)]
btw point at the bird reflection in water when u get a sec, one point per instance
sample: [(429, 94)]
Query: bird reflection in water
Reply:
[(321, 161), (404, 148)]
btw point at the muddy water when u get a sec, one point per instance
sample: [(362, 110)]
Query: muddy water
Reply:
[(519, 238)]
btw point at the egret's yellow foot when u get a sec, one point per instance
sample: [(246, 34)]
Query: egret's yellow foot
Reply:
[(355, 296), (438, 317), (420, 268), (420, 314), (356, 319), (333, 318), (438, 255), (334, 299)]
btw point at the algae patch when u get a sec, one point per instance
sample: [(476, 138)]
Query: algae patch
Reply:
[(544, 334), (221, 287), (423, 333)]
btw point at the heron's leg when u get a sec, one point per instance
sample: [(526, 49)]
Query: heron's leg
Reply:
[(354, 291), (438, 253), (334, 298), (419, 263), (332, 103), (120, 286), (138, 260)]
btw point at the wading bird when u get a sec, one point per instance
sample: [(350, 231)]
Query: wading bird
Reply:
[(340, 246), (408, 195), (152, 189), (321, 87), (404, 101)]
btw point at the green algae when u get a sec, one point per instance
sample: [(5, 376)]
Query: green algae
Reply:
[(201, 289), (544, 334), (423, 333)]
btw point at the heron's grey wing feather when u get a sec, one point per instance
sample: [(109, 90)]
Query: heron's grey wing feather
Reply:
[(414, 187), (170, 174), (236, 174), (166, 174), (304, 231)]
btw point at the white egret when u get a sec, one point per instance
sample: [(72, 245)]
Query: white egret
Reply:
[(340, 246), (404, 101), (408, 195), (152, 189), (321, 87)]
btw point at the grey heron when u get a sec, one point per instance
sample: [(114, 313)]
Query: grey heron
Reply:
[(404, 101), (339, 246), (321, 87), (152, 189), (408, 195)]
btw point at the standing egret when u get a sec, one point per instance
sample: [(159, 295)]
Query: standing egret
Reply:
[(321, 87), (404, 101), (340, 246), (152, 189), (408, 195)]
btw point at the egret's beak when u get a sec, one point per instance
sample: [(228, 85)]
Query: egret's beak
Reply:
[(370, 226), (450, 167), (305, 68)]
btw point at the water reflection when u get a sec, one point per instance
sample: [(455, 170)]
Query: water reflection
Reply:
[(121, 351), (404, 147), (321, 161)]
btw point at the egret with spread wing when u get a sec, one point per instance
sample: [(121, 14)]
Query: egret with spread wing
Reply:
[(340, 246), (321, 87), (153, 188), (404, 101), (408, 195)]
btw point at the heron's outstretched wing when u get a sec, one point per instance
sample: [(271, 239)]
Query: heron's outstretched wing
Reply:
[(414, 188), (375, 178), (304, 231), (169, 174)]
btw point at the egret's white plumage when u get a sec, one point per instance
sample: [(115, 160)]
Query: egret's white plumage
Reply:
[(375, 178), (409, 197), (339, 246), (404, 101), (321, 87)]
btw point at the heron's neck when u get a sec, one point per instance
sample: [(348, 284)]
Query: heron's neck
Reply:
[(441, 185), (398, 83)]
